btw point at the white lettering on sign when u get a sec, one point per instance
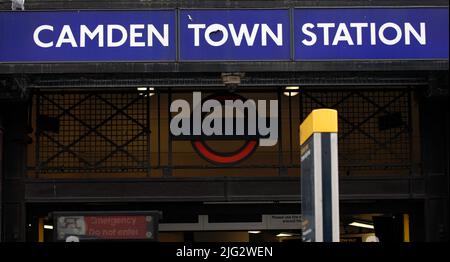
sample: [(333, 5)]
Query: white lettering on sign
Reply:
[(243, 31), (359, 28), (146, 35), (36, 36), (353, 33), (123, 35), (66, 37), (218, 35), (136, 35), (85, 31)]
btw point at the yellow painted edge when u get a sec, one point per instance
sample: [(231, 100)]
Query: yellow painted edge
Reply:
[(41, 230), (319, 121), (406, 228)]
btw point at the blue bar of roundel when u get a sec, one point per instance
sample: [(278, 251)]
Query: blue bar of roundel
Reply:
[(17, 44), (229, 50), (437, 34)]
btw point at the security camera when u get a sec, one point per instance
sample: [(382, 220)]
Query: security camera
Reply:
[(232, 78)]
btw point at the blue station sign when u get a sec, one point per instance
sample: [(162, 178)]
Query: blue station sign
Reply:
[(300, 34)]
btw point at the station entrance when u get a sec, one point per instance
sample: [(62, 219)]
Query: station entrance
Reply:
[(110, 138), (241, 222)]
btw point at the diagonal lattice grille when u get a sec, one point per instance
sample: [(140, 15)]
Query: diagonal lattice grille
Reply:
[(92, 131), (373, 126)]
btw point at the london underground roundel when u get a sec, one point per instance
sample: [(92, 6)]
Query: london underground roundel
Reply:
[(218, 156), (225, 128)]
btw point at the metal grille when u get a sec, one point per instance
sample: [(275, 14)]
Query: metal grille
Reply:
[(374, 126), (92, 131)]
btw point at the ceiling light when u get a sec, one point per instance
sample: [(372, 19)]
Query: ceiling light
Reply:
[(48, 227), (145, 89), (285, 235), (254, 232), (359, 224), (289, 89)]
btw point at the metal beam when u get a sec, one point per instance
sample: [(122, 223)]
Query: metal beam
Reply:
[(147, 4), (142, 67), (210, 189), (252, 82)]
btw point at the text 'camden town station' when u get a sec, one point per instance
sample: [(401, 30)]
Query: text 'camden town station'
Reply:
[(249, 34)]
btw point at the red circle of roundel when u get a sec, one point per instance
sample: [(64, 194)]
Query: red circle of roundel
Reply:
[(224, 158), (216, 158)]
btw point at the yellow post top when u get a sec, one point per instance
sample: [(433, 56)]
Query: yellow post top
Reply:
[(319, 121)]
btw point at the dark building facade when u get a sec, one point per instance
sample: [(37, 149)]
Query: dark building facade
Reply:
[(94, 136)]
